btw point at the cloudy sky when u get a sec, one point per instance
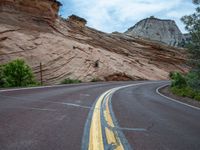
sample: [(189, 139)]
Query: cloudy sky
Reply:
[(119, 15)]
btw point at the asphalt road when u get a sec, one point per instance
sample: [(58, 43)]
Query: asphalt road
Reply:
[(82, 116)]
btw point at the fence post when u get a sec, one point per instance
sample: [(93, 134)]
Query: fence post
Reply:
[(41, 76)]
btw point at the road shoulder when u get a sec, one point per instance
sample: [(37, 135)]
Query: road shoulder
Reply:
[(166, 91)]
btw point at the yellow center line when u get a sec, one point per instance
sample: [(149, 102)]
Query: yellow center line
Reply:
[(96, 139), (111, 135)]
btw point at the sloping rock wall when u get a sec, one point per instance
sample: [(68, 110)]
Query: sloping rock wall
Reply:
[(70, 51)]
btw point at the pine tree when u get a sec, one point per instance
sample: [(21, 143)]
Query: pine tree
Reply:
[(192, 23)]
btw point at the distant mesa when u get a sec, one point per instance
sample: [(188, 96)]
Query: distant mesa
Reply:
[(165, 31)]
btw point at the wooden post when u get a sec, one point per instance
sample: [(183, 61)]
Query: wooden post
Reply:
[(41, 76)]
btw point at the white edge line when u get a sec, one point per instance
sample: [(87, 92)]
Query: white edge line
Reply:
[(30, 88), (177, 101), (40, 87)]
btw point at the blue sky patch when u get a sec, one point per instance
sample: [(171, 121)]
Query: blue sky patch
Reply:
[(119, 15)]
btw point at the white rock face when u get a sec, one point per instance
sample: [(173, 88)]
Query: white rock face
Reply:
[(165, 31)]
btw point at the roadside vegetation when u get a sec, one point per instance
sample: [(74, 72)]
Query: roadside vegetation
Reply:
[(188, 85), (16, 74), (70, 81), (185, 85)]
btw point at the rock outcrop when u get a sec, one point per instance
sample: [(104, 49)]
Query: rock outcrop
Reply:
[(81, 22), (37, 8), (165, 31), (67, 50)]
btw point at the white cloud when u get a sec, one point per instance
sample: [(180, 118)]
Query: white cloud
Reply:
[(179, 13), (111, 15)]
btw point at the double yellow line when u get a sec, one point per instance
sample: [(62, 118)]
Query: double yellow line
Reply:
[(96, 141), (103, 132)]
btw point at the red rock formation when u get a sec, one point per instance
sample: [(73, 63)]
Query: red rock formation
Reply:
[(40, 8)]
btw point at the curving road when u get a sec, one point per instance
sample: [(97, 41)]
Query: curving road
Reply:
[(83, 117)]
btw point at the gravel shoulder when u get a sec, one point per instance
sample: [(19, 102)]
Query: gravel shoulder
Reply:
[(166, 91)]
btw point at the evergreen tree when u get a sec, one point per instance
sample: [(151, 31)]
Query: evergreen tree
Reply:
[(192, 23)]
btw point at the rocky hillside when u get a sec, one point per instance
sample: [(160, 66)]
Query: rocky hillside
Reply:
[(68, 49), (165, 31)]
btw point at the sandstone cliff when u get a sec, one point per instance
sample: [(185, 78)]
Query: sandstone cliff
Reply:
[(72, 50), (165, 31), (40, 8)]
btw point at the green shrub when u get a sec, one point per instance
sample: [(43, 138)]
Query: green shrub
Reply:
[(17, 74), (70, 81), (171, 74), (178, 80), (197, 97), (193, 80), (186, 92)]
